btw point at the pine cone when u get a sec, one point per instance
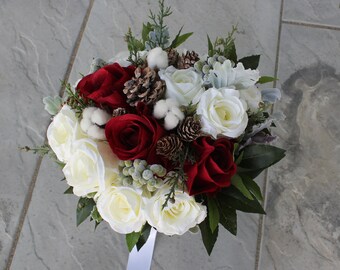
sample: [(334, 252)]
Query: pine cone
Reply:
[(190, 129), (145, 87), (173, 56), (118, 112), (187, 60), (169, 146)]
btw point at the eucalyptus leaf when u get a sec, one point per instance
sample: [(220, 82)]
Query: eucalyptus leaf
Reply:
[(84, 209), (251, 62), (209, 238), (237, 182), (213, 214), (271, 95)]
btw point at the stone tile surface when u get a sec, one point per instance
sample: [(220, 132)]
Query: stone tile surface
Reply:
[(36, 43), (302, 228), (314, 11), (50, 239)]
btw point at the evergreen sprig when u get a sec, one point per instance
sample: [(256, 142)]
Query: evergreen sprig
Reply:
[(134, 46)]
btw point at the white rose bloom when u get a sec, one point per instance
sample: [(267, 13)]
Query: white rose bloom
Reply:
[(175, 218), (91, 168), (225, 75), (62, 132), (122, 208), (183, 85), (157, 58), (222, 112), (252, 96)]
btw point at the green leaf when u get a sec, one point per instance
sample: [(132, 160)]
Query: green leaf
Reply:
[(266, 79), (213, 214), (132, 239), (228, 217), (53, 104), (147, 28), (69, 190), (181, 39), (237, 182), (230, 52), (251, 62), (84, 209), (210, 47), (209, 238), (257, 157), (252, 187), (232, 197), (144, 236)]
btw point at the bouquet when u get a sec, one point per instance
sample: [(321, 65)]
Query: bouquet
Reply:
[(165, 138)]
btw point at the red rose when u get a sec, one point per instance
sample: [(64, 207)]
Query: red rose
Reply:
[(214, 167), (105, 86), (133, 136)]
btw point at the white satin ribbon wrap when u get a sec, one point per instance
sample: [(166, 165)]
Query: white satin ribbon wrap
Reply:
[(141, 260)]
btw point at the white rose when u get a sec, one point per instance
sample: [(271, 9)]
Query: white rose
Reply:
[(62, 132), (183, 85), (91, 168), (175, 218), (122, 208), (222, 112), (252, 96), (224, 75), (157, 58)]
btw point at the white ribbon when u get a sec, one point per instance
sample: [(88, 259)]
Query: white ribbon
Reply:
[(141, 260)]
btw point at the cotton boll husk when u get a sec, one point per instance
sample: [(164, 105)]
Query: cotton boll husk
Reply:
[(160, 110), (96, 132), (100, 117), (170, 121)]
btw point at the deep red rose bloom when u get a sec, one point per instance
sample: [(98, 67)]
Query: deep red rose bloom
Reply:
[(105, 86), (133, 136), (214, 167)]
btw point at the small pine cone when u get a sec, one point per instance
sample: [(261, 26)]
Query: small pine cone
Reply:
[(190, 129), (145, 87), (187, 60), (169, 146), (173, 56), (118, 112)]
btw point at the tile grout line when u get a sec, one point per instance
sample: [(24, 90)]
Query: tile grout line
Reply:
[(312, 25), (29, 195), (265, 184)]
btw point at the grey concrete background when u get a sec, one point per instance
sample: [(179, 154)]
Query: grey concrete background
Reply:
[(43, 42)]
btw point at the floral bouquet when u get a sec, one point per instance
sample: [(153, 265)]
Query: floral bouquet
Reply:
[(165, 138)]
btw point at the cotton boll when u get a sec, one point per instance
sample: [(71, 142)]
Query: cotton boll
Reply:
[(157, 58), (170, 121), (85, 123), (100, 117), (176, 111), (96, 132), (87, 112), (161, 109)]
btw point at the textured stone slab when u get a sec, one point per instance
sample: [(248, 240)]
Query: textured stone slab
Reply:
[(36, 43), (314, 11), (302, 222), (55, 242)]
